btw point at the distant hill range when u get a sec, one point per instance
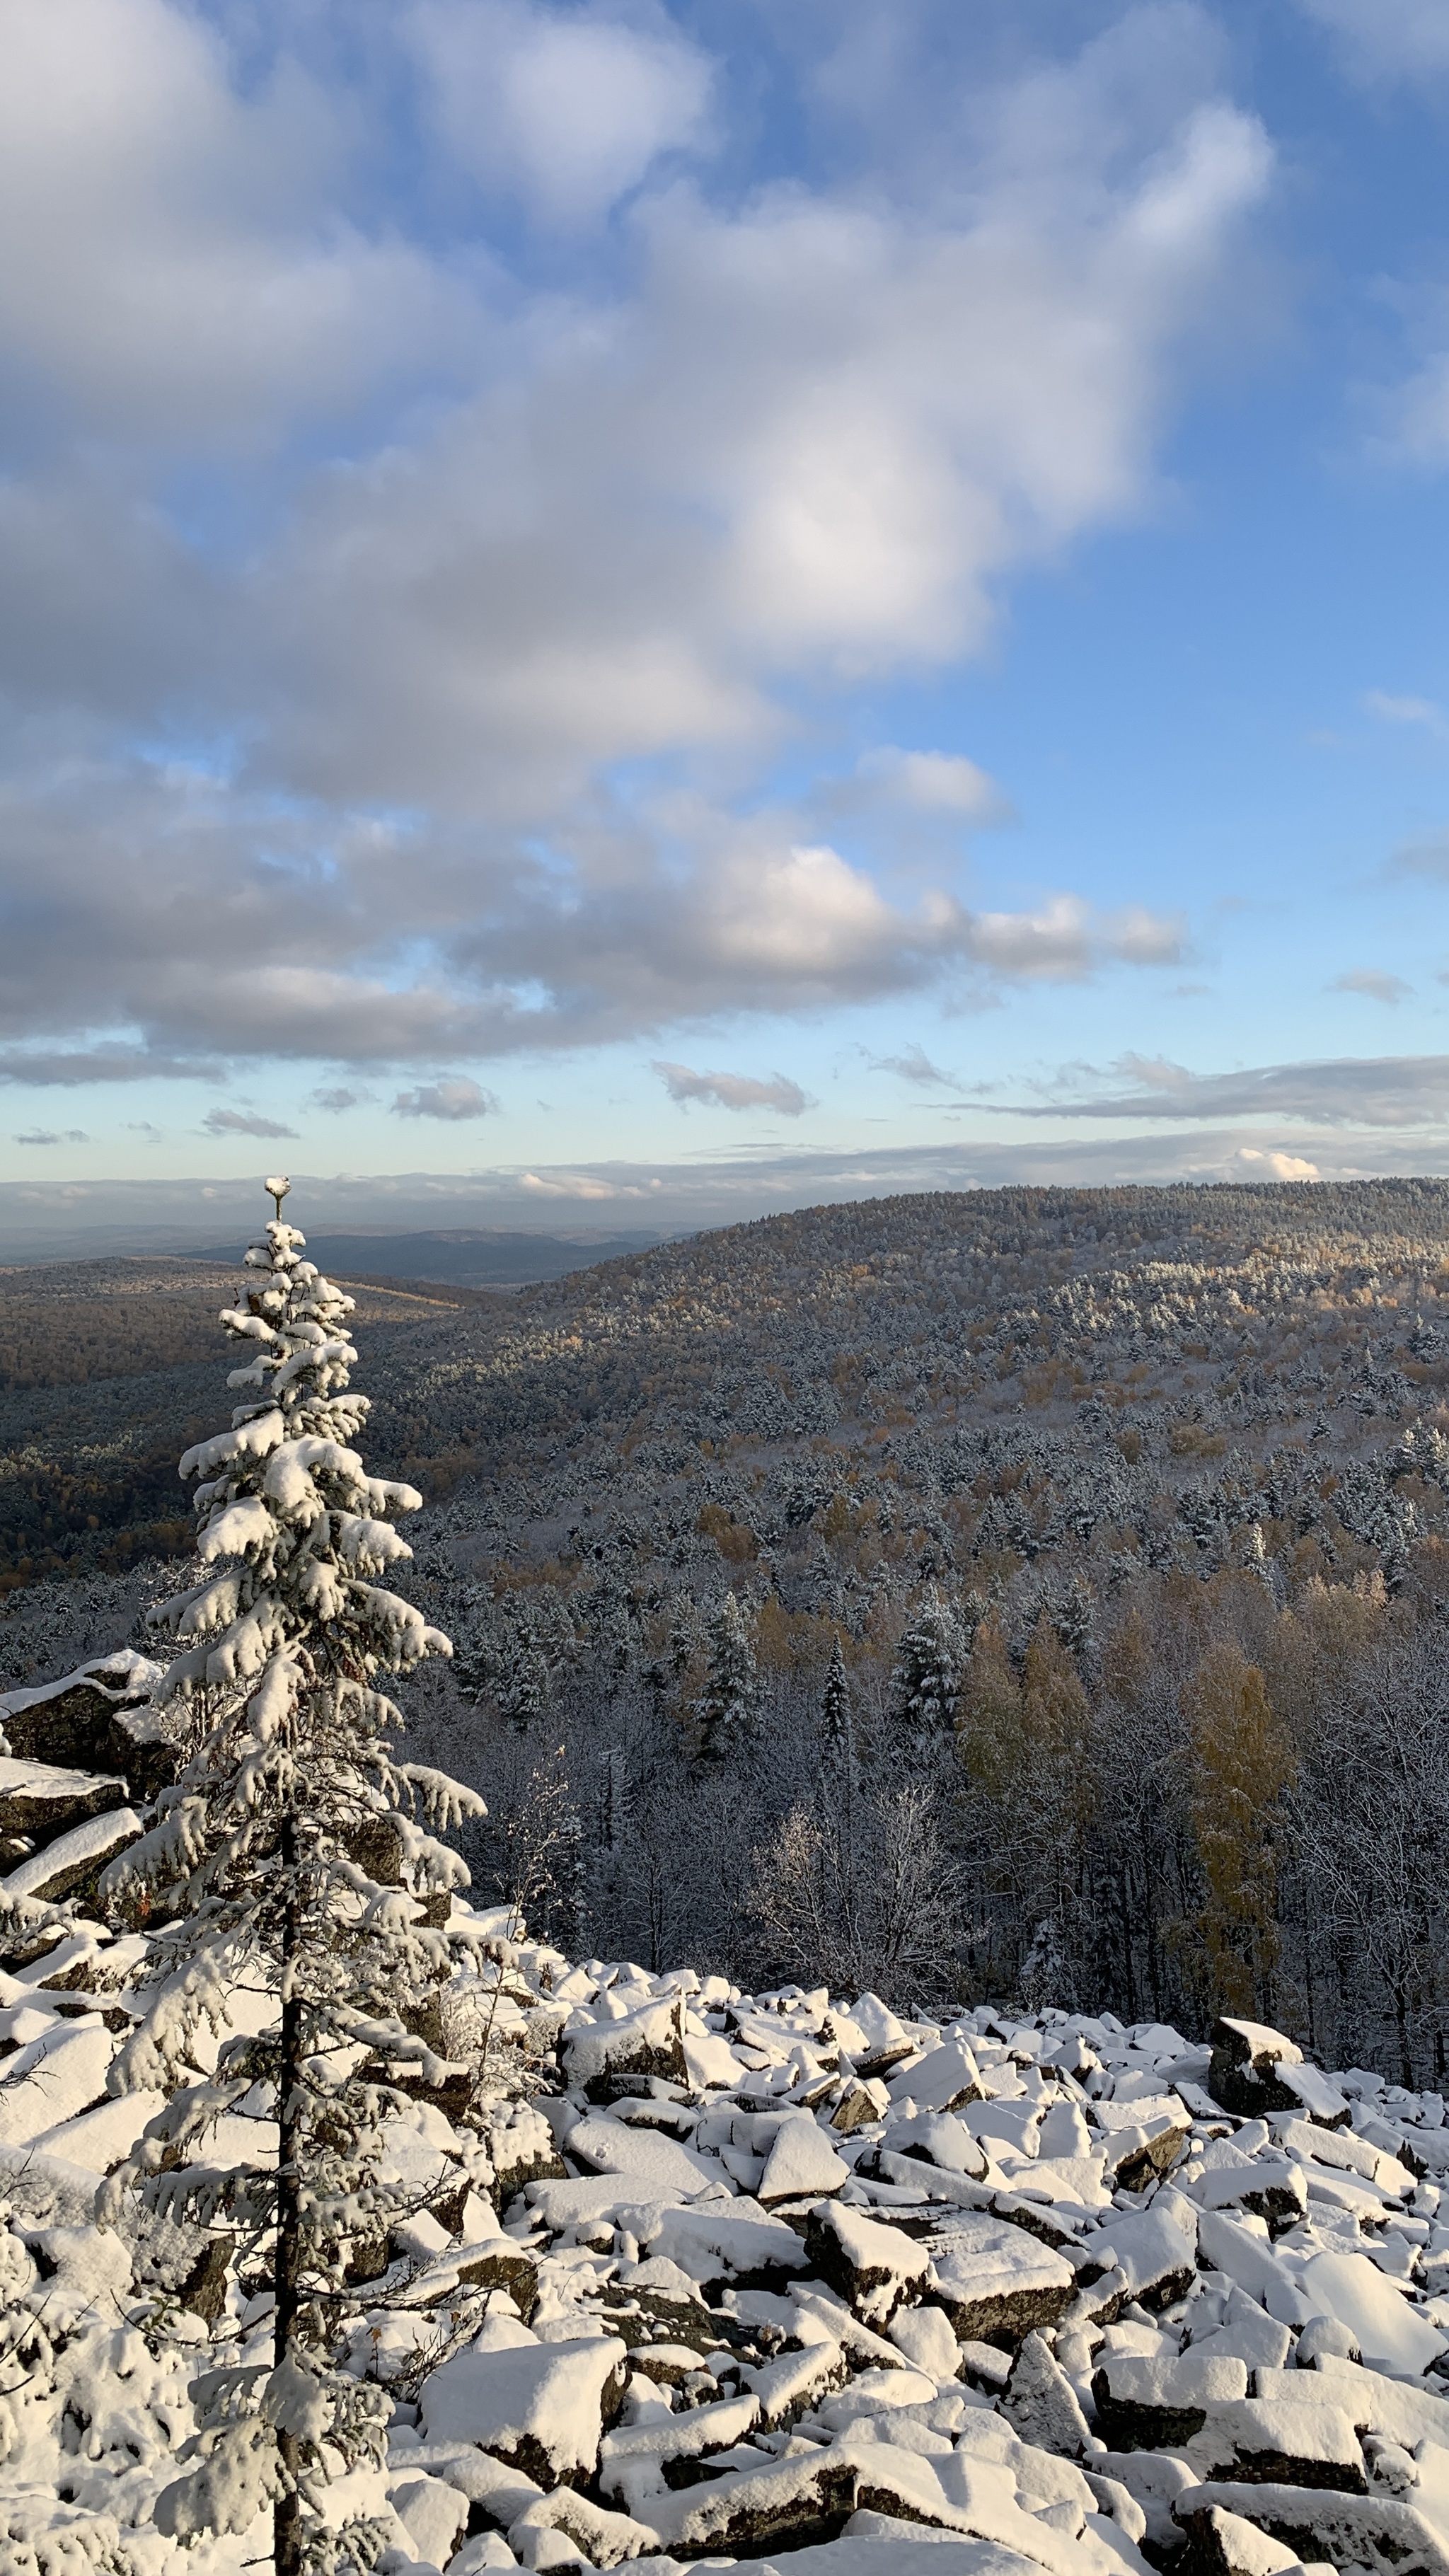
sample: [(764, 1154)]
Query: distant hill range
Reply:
[(455, 1256)]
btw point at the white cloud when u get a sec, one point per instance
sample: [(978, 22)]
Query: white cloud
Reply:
[(1252, 1163), (569, 108), (52, 1136), (1387, 40), (936, 782), (1374, 985), (243, 1122), (187, 272), (1405, 711), (733, 1090), (791, 439), (453, 1096)]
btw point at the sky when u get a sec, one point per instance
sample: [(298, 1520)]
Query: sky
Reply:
[(617, 614)]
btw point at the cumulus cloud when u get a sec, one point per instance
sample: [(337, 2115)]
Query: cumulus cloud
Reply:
[(243, 1122), (1256, 1163), (453, 1096), (758, 441), (568, 109), (53, 1136), (733, 1090), (1374, 984), (338, 1098), (1374, 1091)]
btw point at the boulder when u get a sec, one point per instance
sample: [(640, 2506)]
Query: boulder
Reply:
[(1149, 2403), (1040, 2403), (874, 2268), (1345, 2530), (98, 1719), (39, 1800), (649, 2042), (801, 2165), (1244, 2073), (997, 2282), (72, 1864), (536, 2407)]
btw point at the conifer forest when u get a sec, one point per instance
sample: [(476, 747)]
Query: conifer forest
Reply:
[(772, 1899)]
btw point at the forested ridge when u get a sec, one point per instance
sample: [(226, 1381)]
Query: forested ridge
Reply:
[(1039, 1591)]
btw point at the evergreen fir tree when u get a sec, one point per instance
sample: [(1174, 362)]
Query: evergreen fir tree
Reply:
[(927, 1680), (727, 1708), (523, 1687), (1076, 1617), (835, 1727), (261, 1867)]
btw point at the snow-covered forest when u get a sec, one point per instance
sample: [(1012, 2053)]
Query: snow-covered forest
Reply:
[(1026, 1593), (812, 2028)]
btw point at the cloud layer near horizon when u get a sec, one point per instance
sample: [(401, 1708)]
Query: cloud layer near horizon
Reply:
[(400, 619)]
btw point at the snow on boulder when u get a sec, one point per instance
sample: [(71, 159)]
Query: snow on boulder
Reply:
[(874, 2268), (98, 1718), (996, 2282), (1243, 2073), (600, 2055), (1157, 2401), (729, 2241), (39, 1800), (808, 2493), (1389, 2333), (74, 1861), (938, 2140), (941, 2080), (1153, 2258), (634, 2463), (605, 2539), (654, 2167), (1039, 2401), (863, 2102), (1224, 2545), (925, 2338), (104, 2136), (1378, 2531), (540, 2408), (55, 2076), (801, 2165), (432, 2514)]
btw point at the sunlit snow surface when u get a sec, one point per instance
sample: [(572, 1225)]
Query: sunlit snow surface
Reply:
[(823, 2282)]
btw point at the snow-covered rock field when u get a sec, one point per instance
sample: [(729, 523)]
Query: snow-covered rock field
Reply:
[(701, 2277)]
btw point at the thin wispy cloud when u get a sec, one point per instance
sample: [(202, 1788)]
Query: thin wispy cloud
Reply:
[(916, 1066), (1374, 985), (1421, 712), (733, 1090), (243, 1122), (1377, 1091)]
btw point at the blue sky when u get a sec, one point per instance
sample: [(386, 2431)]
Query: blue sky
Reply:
[(664, 609)]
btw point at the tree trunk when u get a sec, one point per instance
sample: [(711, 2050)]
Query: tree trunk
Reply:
[(287, 2511)]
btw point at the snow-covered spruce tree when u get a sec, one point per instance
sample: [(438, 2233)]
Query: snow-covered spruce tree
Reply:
[(837, 1745), (927, 1681), (269, 1865), (727, 1705)]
